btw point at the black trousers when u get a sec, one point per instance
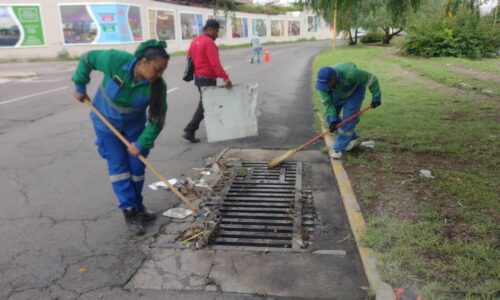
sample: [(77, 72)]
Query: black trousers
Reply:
[(199, 113)]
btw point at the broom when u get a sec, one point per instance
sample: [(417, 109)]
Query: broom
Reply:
[(278, 160), (141, 158)]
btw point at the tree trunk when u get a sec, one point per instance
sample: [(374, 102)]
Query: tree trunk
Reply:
[(388, 35), (334, 45), (352, 40), (496, 14)]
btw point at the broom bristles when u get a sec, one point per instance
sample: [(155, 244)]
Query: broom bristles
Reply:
[(278, 160)]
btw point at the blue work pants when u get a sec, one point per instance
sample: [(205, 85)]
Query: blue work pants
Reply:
[(255, 54), (349, 106), (126, 172)]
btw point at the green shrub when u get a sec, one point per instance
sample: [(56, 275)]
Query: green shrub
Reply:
[(462, 35), (63, 55), (372, 37)]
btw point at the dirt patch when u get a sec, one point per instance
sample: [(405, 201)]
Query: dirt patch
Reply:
[(430, 84), (451, 91), (416, 161), (481, 75), (387, 192), (396, 189)]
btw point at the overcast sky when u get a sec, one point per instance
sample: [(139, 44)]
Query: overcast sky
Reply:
[(488, 6)]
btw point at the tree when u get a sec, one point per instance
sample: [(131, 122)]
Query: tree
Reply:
[(390, 15), (495, 15), (453, 6), (349, 19), (323, 8), (459, 33), (354, 16), (227, 7), (350, 13), (327, 9)]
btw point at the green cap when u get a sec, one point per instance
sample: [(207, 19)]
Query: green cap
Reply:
[(148, 44)]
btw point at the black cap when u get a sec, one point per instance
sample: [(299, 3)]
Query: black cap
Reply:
[(212, 23)]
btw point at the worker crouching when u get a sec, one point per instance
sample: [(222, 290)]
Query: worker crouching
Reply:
[(342, 88)]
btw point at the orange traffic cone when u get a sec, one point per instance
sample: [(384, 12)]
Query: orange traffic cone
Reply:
[(267, 57)]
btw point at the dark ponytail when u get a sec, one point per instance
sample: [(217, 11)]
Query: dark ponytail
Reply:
[(156, 98)]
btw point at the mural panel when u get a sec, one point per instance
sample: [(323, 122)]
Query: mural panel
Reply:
[(293, 28), (101, 24), (312, 24), (277, 28), (162, 24), (21, 26), (191, 25), (259, 27), (240, 28)]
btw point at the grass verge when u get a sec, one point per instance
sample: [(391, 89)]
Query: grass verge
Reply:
[(438, 236)]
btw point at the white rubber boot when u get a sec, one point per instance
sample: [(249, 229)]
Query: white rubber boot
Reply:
[(352, 144), (336, 155)]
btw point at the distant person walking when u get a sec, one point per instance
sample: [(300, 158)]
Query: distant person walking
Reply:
[(256, 49), (342, 88), (207, 68)]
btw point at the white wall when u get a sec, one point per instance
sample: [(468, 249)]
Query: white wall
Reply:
[(54, 36)]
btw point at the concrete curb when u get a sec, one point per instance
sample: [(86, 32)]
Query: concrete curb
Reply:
[(13, 74), (383, 291)]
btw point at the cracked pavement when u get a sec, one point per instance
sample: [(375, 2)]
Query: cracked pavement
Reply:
[(62, 236), (336, 273)]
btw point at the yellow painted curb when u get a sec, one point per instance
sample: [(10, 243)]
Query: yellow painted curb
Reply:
[(383, 291)]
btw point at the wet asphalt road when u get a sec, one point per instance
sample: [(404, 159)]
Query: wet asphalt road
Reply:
[(59, 216)]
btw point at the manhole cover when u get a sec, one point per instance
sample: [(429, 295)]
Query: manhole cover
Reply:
[(262, 209)]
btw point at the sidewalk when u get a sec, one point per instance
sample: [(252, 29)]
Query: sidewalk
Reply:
[(16, 74), (337, 274)]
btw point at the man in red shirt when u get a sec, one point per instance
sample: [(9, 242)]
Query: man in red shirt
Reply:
[(207, 69)]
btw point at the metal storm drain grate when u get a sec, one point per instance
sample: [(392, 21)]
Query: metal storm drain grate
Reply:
[(264, 209)]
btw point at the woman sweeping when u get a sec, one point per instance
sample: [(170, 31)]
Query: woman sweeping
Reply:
[(133, 98)]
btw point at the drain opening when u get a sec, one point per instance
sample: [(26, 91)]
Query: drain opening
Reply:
[(262, 209)]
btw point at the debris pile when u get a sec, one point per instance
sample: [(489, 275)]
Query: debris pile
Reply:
[(203, 185), (242, 204)]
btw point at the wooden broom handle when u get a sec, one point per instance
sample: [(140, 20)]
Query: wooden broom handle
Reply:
[(141, 158), (338, 125)]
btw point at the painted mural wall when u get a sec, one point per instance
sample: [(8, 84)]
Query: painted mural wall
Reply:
[(21, 26), (100, 23), (78, 26)]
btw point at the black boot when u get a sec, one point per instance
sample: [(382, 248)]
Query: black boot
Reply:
[(133, 221), (145, 215), (189, 135)]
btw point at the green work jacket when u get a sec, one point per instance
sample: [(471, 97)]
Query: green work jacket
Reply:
[(119, 98), (350, 77)]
